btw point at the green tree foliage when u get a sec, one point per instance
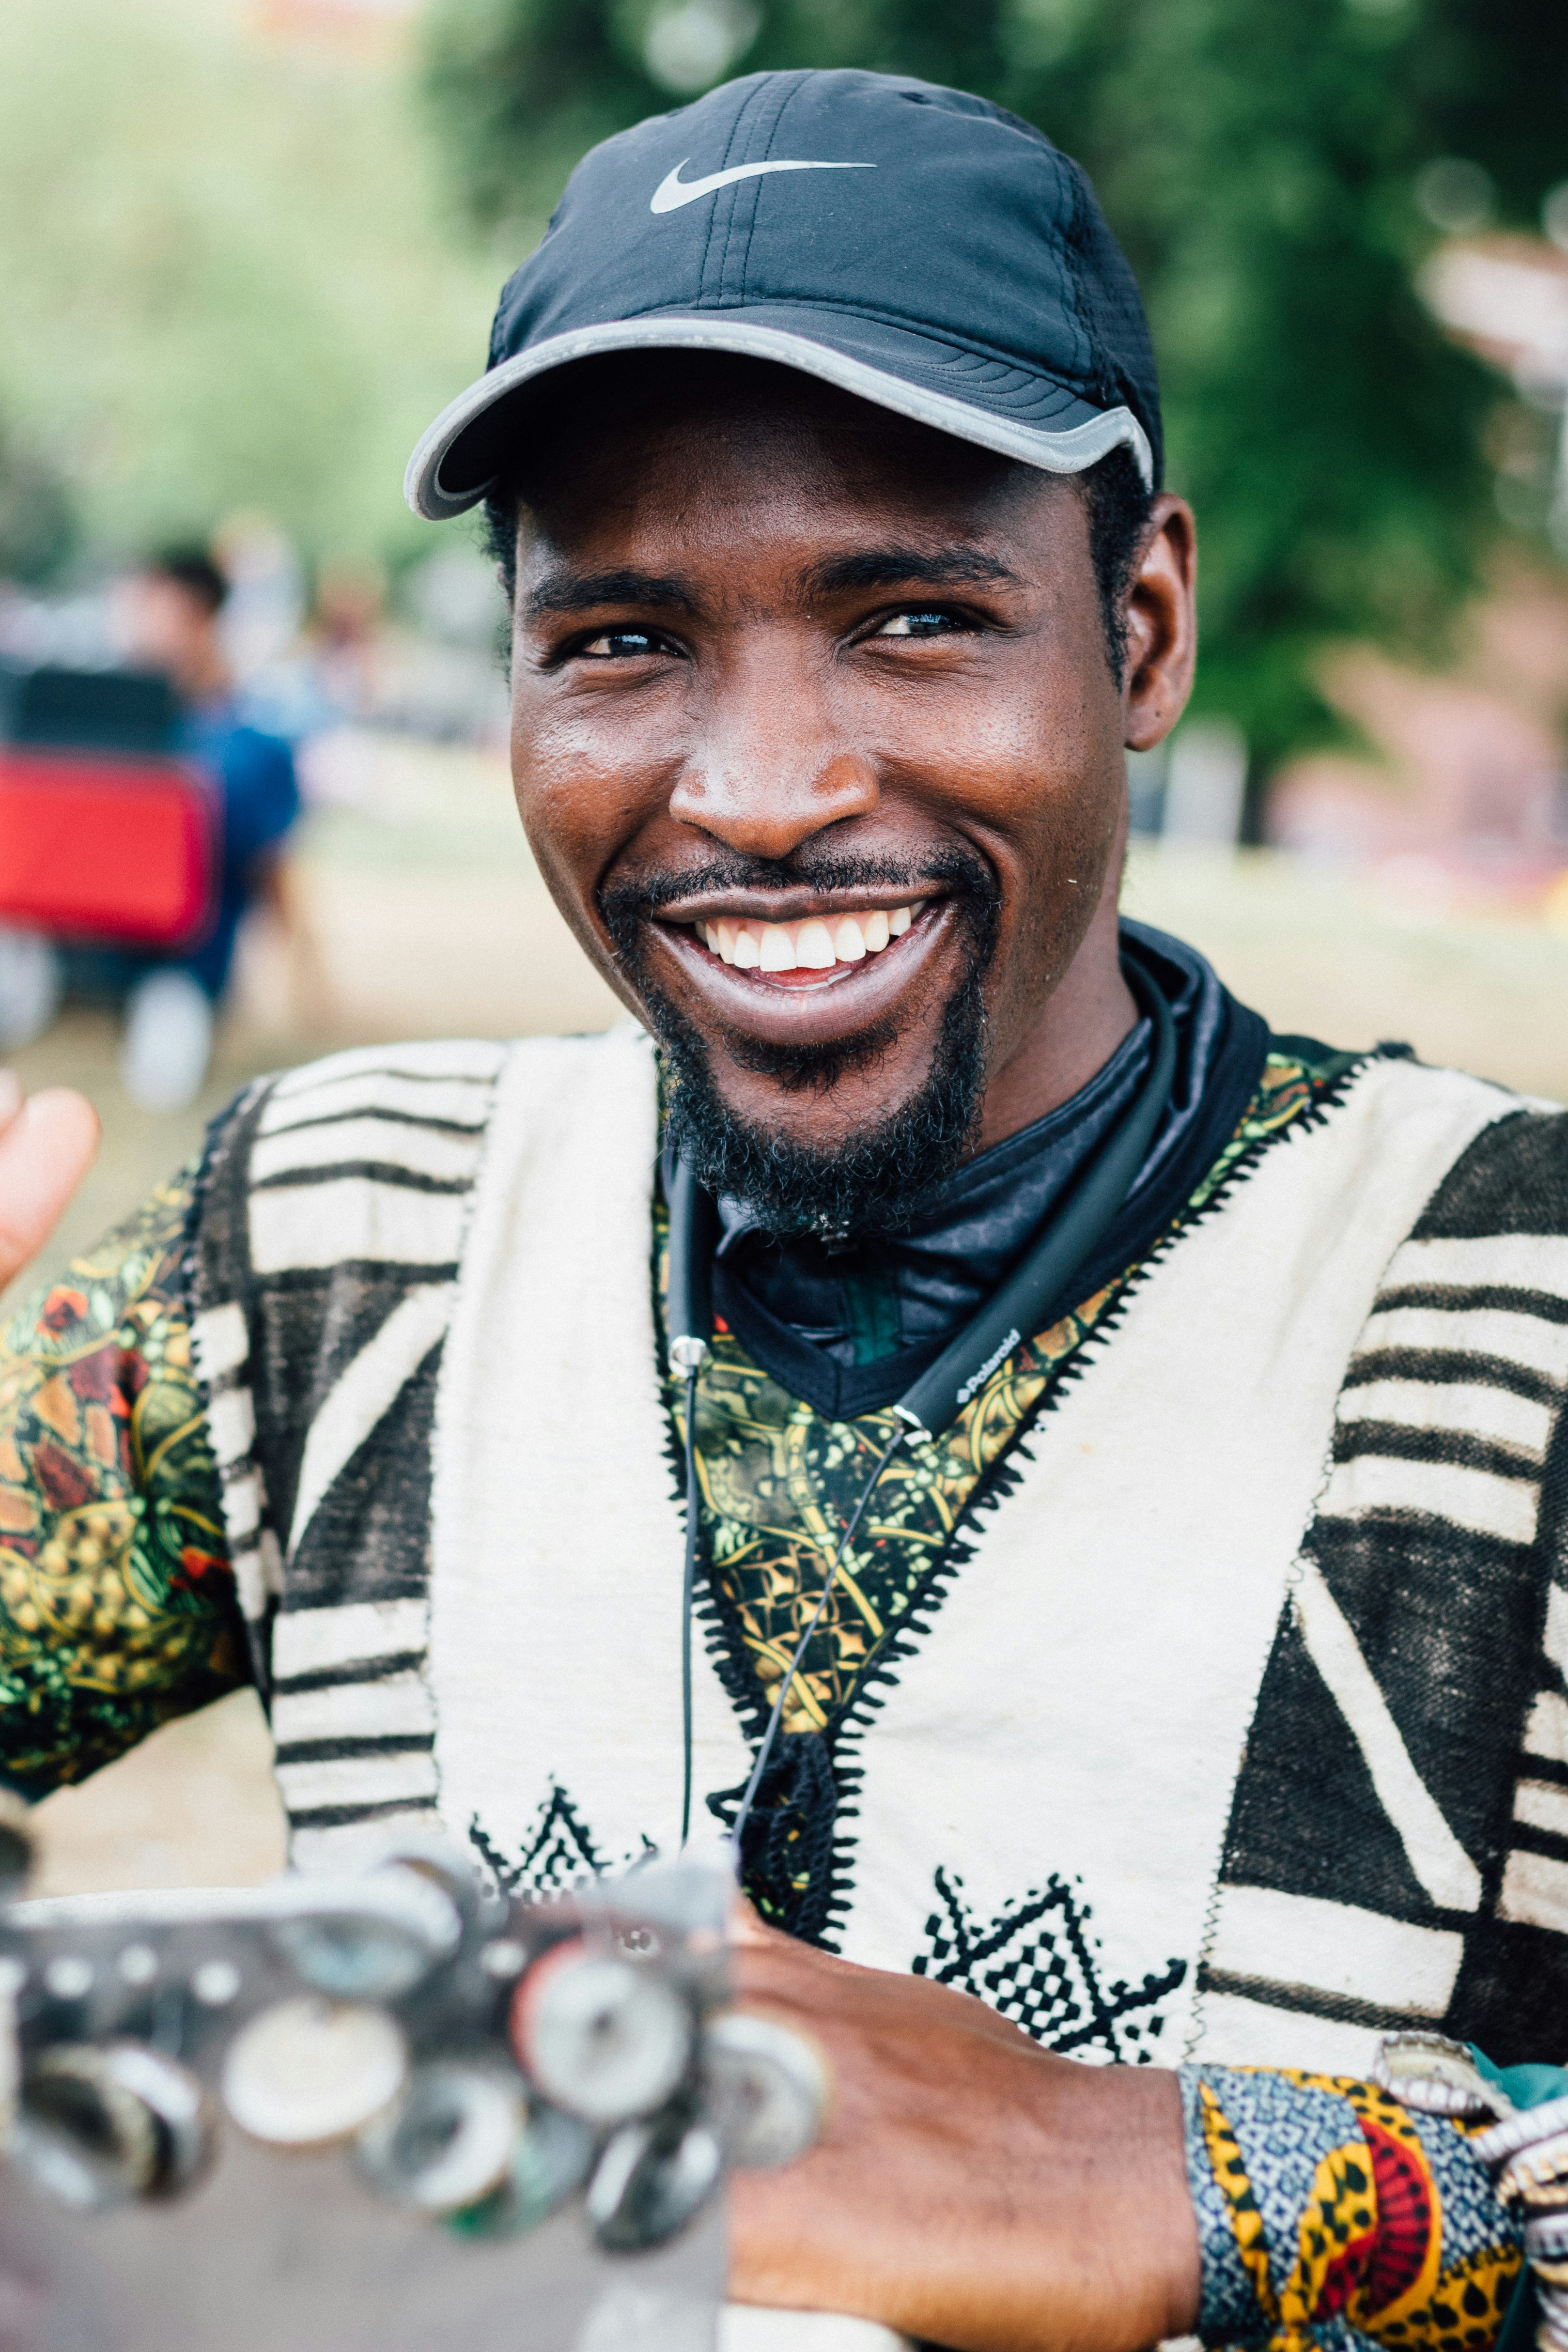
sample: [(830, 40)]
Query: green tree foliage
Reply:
[(1260, 162), (225, 281), (38, 525)]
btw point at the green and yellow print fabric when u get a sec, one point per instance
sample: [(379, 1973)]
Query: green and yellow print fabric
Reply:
[(778, 1482), (1328, 2213), (116, 1604)]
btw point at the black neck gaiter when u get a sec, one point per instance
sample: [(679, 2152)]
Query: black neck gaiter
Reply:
[(849, 1326)]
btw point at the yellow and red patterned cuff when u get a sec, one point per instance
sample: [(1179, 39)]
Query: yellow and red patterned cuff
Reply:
[(1329, 2213)]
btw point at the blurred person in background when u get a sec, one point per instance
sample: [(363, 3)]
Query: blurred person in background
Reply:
[(345, 635), (170, 622), (332, 672)]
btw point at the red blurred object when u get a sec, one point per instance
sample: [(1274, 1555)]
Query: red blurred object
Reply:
[(99, 845)]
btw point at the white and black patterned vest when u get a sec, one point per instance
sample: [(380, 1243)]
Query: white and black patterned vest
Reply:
[(1240, 1724)]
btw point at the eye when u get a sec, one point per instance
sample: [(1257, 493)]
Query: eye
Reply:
[(621, 644), (919, 625)]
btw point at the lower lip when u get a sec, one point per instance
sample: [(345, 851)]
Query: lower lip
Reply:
[(808, 1003), (803, 975)]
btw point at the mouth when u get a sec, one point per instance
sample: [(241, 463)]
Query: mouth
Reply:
[(816, 943), (809, 974)]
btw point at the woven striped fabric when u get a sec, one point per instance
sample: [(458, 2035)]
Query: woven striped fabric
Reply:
[(1398, 1849), (324, 1258)]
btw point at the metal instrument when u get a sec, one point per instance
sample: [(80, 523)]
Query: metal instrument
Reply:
[(392, 2112)]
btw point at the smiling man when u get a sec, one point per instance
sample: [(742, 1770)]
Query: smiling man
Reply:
[(1114, 1451), (838, 794)]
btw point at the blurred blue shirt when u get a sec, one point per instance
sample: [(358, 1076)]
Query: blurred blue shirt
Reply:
[(260, 799)]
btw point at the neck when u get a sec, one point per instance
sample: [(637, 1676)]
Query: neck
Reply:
[(202, 677)]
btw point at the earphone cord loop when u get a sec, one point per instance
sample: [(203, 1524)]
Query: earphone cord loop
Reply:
[(688, 1603), (840, 1553)]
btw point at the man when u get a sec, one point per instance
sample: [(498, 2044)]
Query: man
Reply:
[(1120, 1441), (170, 616)]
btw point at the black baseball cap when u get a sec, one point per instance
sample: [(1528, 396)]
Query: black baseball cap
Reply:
[(915, 245)]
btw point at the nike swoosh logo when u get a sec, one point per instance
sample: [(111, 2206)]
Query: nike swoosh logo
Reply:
[(673, 191)]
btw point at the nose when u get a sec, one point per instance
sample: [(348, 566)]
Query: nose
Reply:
[(772, 767)]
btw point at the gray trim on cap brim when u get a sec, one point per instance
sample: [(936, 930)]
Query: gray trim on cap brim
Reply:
[(1068, 452)]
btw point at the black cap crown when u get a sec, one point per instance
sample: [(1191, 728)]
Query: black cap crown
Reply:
[(917, 246)]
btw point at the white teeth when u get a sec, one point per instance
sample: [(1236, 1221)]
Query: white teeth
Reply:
[(813, 944), (814, 947)]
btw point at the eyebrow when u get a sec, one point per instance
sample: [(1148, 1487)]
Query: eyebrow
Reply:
[(897, 567), (563, 591)]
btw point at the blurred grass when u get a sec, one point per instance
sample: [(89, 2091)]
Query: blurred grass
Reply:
[(1354, 961)]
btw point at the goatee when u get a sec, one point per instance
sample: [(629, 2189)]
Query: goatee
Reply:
[(877, 1180)]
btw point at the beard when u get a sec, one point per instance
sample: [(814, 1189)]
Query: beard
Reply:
[(879, 1178)]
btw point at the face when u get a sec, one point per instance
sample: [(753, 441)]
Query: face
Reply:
[(164, 625), (818, 744)]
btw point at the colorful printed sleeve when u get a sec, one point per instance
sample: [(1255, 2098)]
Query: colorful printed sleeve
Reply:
[(116, 1604), (1329, 2214)]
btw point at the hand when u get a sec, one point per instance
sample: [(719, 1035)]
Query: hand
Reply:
[(45, 1148), (970, 2189)]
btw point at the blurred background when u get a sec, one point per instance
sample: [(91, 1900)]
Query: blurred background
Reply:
[(249, 247)]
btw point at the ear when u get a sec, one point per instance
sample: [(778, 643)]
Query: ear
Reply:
[(1162, 625)]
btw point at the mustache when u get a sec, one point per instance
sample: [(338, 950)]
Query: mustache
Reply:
[(624, 907)]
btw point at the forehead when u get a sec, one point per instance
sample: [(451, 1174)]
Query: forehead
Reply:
[(688, 447)]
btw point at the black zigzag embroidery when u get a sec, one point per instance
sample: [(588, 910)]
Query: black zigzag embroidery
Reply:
[(560, 1854), (1037, 1964)]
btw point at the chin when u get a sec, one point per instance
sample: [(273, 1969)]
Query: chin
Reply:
[(848, 1077), (814, 1146)]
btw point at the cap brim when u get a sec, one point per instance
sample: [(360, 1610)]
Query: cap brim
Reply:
[(462, 455)]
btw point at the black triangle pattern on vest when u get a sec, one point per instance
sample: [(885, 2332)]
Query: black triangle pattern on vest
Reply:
[(1038, 1963), (559, 1853)]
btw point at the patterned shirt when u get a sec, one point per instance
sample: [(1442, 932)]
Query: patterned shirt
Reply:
[(1328, 2213), (117, 1606)]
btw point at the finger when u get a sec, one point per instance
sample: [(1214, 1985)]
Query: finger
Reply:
[(45, 1148), (11, 1097)]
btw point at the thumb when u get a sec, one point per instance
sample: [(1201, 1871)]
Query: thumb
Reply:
[(45, 1148)]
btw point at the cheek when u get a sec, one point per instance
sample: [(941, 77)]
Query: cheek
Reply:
[(558, 790), (587, 784), (1057, 786), (1037, 770)]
